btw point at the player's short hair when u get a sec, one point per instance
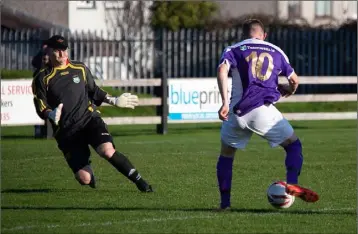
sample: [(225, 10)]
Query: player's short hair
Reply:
[(247, 25)]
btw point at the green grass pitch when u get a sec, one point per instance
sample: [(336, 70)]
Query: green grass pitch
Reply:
[(40, 195)]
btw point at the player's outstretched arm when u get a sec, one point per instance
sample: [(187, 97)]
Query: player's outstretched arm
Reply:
[(126, 100), (98, 95)]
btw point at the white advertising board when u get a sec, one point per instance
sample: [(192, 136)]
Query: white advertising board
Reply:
[(194, 99), (17, 107)]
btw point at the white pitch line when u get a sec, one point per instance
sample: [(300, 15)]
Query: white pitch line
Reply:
[(179, 218), (109, 223)]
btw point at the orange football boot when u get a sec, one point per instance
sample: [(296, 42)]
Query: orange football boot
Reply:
[(304, 193)]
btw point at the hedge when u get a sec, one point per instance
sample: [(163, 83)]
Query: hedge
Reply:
[(16, 74)]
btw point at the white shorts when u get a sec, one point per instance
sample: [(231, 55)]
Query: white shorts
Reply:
[(266, 121)]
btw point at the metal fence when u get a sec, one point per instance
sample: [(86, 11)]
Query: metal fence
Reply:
[(195, 53), (189, 53)]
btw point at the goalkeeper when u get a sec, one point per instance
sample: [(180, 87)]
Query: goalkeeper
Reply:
[(63, 94)]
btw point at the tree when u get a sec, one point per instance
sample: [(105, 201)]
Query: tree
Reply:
[(174, 15), (130, 24)]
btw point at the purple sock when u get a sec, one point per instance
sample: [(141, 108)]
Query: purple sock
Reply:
[(224, 175), (294, 160)]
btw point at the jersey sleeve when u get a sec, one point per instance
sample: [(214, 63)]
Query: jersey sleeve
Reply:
[(95, 93), (40, 98), (228, 58), (286, 68)]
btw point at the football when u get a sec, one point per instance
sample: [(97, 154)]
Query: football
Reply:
[(277, 196), (284, 89)]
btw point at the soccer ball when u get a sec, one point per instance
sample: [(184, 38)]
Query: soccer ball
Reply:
[(284, 89), (277, 196)]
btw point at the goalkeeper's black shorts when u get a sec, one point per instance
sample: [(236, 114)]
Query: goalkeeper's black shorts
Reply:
[(76, 146)]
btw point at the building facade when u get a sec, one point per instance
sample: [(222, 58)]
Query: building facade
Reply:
[(318, 12), (105, 15), (34, 14)]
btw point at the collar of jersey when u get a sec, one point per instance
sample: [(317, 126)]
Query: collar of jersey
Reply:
[(67, 65)]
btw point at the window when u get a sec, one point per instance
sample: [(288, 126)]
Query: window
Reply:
[(114, 4), (85, 4), (354, 13), (322, 8), (294, 9)]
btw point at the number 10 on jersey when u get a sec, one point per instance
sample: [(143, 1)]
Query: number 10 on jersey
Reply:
[(257, 63)]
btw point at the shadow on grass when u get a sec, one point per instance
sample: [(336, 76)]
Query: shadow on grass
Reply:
[(173, 129), (19, 137), (241, 210), (13, 133), (60, 190), (176, 129), (19, 191)]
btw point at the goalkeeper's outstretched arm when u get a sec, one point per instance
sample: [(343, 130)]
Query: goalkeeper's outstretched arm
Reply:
[(98, 95)]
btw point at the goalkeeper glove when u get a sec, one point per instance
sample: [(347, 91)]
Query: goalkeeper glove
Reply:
[(126, 100), (55, 114)]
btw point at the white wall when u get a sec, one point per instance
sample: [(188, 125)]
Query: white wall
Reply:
[(100, 15), (233, 9), (86, 18), (341, 10), (129, 56)]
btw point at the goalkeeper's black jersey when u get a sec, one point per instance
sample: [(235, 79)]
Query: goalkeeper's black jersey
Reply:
[(73, 86)]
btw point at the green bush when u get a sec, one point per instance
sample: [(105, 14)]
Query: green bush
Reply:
[(174, 15), (15, 74)]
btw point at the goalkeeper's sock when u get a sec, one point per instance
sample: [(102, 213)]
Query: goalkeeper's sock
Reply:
[(224, 176), (294, 161), (92, 183), (124, 166)]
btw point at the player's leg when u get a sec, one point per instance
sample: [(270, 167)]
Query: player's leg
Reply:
[(293, 162), (77, 159), (102, 142), (224, 174), (83, 176), (294, 157), (269, 123), (123, 165), (233, 137)]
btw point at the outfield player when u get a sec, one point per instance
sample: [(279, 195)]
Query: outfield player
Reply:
[(255, 65), (63, 92), (40, 60)]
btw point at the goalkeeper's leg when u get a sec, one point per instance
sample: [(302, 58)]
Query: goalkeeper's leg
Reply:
[(85, 176), (78, 161), (101, 140), (123, 165)]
